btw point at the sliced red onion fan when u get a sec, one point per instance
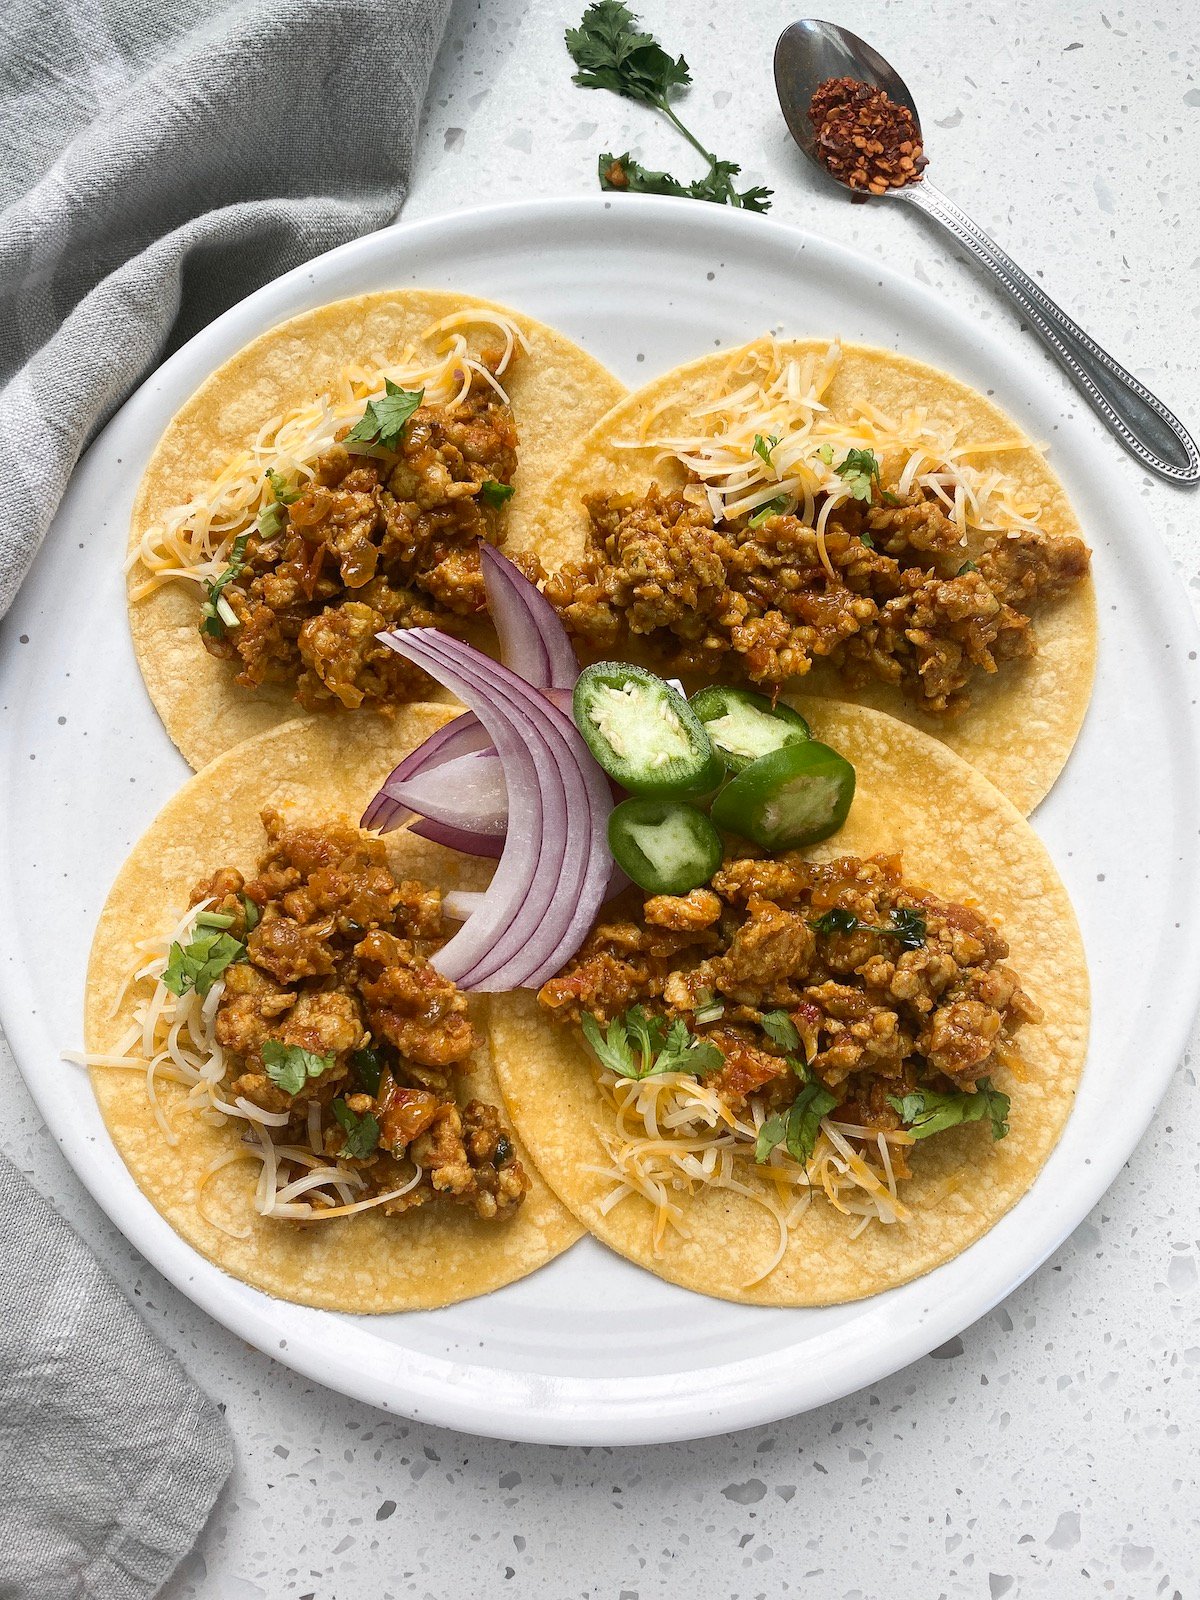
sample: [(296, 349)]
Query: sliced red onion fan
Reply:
[(457, 738), (553, 872), (533, 641)]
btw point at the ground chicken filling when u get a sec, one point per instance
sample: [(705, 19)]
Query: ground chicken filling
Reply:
[(337, 965), (375, 541), (887, 593), (889, 989)]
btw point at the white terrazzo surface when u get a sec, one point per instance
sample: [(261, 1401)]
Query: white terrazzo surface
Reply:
[(1049, 1451)]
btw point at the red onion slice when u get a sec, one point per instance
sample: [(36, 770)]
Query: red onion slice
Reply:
[(533, 641), (488, 845), (455, 739), (553, 872), (466, 793)]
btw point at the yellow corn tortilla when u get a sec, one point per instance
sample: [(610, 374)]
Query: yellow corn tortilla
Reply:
[(323, 770), (1022, 722), (557, 391), (959, 837)]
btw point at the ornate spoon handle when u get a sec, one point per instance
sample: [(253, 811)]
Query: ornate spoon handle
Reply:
[(1142, 423)]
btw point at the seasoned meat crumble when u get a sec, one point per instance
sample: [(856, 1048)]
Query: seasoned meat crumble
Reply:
[(337, 964), (897, 601), (373, 542), (878, 1015)]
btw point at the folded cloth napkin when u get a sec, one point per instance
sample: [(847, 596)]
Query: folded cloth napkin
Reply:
[(159, 161), (110, 1457)]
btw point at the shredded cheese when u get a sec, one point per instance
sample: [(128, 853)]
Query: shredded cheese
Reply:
[(172, 1038), (674, 1136), (193, 541), (766, 432)]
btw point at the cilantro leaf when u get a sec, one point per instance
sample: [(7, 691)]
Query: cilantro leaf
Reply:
[(909, 927), (214, 621), (640, 1045), (495, 494), (925, 1112), (772, 508), (612, 1048), (368, 1069), (770, 1134), (611, 52), (780, 1029), (859, 471), (198, 964), (683, 1052), (826, 454), (252, 913), (762, 447), (289, 1067), (362, 1132), (384, 420), (804, 1120)]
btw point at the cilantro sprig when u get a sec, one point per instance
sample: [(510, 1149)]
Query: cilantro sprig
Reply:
[(772, 508), (612, 53), (925, 1112), (908, 926), (797, 1127), (361, 1130), (639, 1045), (495, 494), (385, 419), (289, 1067), (199, 963)]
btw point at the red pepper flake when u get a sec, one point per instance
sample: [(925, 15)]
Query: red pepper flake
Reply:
[(864, 138)]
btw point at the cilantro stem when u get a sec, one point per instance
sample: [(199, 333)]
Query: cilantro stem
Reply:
[(667, 112)]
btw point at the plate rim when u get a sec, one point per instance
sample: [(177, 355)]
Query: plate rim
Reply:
[(578, 1411)]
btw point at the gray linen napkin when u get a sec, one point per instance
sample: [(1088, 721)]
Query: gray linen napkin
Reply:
[(110, 1457), (159, 161)]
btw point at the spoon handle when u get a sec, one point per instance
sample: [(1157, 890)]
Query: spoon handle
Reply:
[(1139, 419)]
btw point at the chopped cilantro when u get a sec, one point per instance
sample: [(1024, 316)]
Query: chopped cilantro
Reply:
[(213, 619), (773, 508), (611, 53), (639, 1045), (909, 927), (289, 1067), (781, 1030), (797, 1128), (252, 913), (762, 447), (926, 1112), (826, 454), (384, 420), (368, 1069), (859, 471), (967, 566), (495, 494), (198, 964), (362, 1132)]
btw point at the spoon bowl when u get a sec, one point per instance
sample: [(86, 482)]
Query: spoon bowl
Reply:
[(810, 52)]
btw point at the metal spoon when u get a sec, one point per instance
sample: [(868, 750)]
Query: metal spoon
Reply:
[(809, 52)]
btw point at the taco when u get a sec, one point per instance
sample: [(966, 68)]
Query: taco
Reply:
[(828, 1070), (842, 520), (332, 479), (290, 1082)]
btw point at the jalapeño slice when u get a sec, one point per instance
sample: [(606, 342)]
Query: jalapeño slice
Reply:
[(796, 795), (665, 846), (744, 726), (643, 732)]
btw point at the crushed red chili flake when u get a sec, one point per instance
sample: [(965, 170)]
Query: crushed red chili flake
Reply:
[(864, 138)]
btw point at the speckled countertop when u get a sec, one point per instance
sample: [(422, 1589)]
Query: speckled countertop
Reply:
[(1049, 1450)]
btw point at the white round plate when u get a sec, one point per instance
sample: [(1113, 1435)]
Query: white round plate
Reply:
[(591, 1350)]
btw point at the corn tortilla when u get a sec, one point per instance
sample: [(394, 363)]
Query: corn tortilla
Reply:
[(557, 391), (959, 837), (323, 770), (1023, 721)]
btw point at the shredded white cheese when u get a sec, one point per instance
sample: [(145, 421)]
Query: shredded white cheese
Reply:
[(674, 1136), (172, 1038), (193, 541), (766, 434)]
